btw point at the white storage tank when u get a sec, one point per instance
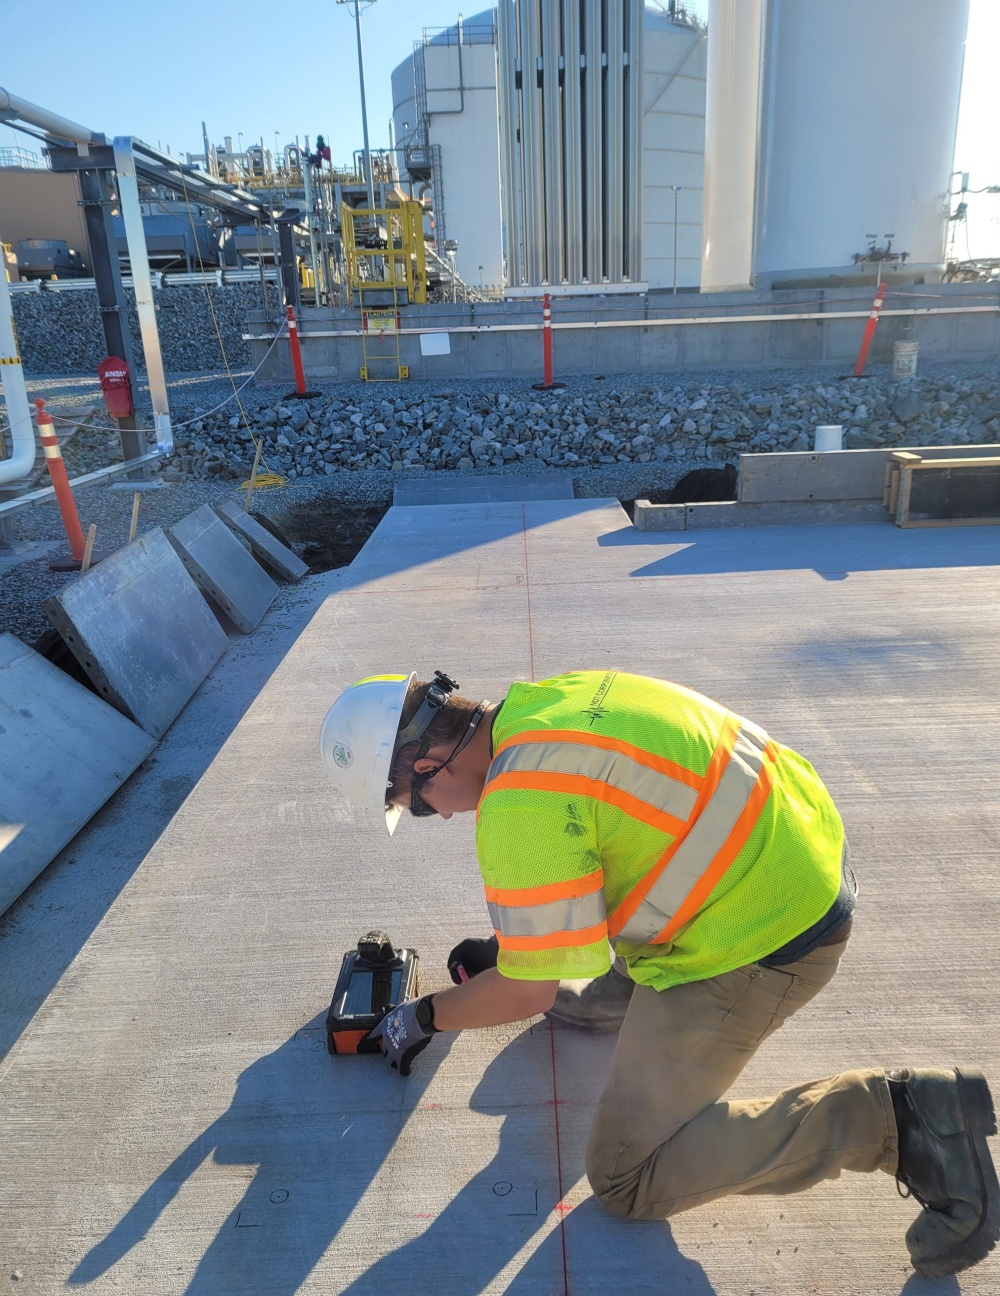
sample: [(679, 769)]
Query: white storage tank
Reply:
[(856, 121)]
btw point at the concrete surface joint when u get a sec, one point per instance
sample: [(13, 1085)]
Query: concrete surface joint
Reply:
[(222, 568), (141, 630), (64, 753)]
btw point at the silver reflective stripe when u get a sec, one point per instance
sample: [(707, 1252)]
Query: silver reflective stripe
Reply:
[(708, 835), (547, 919), (614, 768)]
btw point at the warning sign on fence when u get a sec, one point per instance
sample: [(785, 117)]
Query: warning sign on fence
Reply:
[(380, 321)]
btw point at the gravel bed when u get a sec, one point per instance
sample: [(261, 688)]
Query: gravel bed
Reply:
[(623, 436)]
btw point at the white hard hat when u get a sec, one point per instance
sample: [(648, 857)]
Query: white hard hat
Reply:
[(358, 739)]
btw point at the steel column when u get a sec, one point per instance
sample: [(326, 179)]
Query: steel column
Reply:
[(135, 237), (96, 198), (593, 178), (572, 142)]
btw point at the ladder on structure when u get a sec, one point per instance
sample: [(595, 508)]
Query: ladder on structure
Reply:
[(385, 271)]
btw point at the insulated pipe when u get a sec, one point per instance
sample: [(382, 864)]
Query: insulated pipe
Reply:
[(509, 153), (61, 127), (552, 150), (573, 144), (633, 141), (615, 142), (531, 145), (12, 380), (593, 115)]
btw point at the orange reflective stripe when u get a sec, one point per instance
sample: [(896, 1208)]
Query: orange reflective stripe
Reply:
[(713, 775), (585, 739), (580, 785), (557, 940), (574, 889), (737, 840)]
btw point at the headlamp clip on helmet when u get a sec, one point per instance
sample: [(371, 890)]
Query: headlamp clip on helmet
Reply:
[(437, 697)]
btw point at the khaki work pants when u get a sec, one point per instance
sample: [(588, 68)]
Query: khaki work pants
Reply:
[(662, 1141)]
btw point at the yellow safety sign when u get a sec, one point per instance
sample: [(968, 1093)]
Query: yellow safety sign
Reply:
[(381, 321)]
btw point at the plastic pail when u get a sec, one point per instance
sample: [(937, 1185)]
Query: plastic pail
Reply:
[(829, 436)]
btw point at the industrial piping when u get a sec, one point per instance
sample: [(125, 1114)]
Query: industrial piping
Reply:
[(61, 127)]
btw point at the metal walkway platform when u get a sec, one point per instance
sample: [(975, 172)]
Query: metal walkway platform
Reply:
[(171, 1121)]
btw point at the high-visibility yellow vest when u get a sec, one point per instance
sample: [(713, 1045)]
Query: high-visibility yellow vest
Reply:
[(629, 809)]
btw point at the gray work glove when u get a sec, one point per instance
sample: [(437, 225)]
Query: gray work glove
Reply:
[(404, 1032)]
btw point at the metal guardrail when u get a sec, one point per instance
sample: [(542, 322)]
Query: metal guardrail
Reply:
[(88, 479), (162, 279)]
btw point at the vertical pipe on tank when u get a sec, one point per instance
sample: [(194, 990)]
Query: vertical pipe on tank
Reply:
[(572, 141), (632, 189), (593, 179), (552, 159), (732, 91), (614, 137), (509, 152), (531, 144)]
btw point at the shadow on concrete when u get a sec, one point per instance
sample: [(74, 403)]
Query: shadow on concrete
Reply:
[(513, 1199), (833, 552), (299, 1119), (48, 925)]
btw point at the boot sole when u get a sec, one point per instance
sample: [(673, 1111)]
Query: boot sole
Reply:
[(981, 1122)]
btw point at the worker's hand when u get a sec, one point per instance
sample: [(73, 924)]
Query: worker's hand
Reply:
[(401, 1035), (472, 956)]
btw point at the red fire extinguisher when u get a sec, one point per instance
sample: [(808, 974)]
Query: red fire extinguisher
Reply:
[(116, 387)]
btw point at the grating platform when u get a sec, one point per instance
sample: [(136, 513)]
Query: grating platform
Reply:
[(172, 1122)]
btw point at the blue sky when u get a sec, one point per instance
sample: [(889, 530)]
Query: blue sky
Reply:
[(156, 71)]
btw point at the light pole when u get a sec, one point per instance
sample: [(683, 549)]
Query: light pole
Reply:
[(677, 189), (369, 181)]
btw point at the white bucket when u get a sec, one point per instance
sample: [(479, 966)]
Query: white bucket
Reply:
[(904, 359), (829, 436)]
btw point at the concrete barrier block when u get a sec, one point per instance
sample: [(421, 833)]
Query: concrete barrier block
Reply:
[(658, 517), (731, 513), (804, 475), (141, 629), (221, 567), (63, 752), (265, 547)]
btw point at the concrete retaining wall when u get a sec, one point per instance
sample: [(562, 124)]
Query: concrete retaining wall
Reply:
[(332, 351)]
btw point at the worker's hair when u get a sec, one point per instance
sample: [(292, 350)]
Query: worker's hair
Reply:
[(448, 726)]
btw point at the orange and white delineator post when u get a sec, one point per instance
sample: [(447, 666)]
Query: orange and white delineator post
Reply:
[(866, 341), (60, 481), (547, 382)]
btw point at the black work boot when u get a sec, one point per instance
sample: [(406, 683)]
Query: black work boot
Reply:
[(943, 1119), (597, 1005)]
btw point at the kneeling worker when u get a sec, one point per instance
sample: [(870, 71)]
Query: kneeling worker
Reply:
[(617, 808)]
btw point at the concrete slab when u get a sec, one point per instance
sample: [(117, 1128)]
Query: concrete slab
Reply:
[(222, 569), (265, 547), (25, 551), (141, 630), (732, 513), (196, 1136), (482, 490), (63, 752)]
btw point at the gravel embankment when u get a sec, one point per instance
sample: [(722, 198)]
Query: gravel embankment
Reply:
[(625, 436), (60, 332)]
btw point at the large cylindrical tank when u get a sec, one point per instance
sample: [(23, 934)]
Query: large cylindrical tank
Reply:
[(856, 121), (859, 109)]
